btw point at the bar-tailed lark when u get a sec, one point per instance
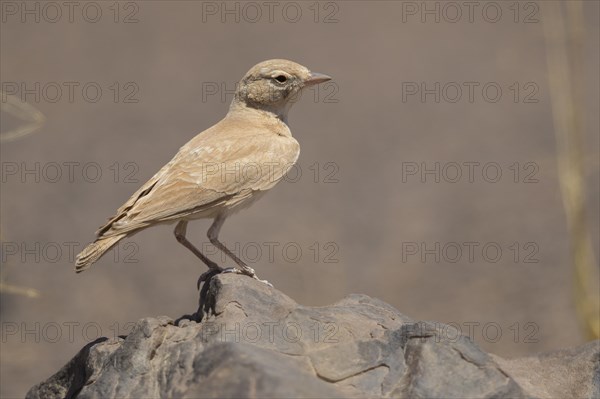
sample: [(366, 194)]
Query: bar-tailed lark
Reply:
[(221, 170)]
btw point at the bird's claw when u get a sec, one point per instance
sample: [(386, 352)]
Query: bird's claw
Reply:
[(248, 271), (264, 281)]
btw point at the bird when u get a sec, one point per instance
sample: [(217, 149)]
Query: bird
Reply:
[(222, 170)]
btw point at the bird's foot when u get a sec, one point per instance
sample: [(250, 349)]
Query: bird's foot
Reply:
[(248, 271)]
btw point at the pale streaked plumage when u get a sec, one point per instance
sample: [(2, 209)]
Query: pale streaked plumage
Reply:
[(221, 170)]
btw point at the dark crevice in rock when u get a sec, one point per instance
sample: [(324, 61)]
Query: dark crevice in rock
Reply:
[(467, 359), (353, 375)]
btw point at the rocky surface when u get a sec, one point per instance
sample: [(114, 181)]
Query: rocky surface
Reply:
[(253, 341)]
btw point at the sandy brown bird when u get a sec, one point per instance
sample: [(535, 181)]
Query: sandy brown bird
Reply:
[(221, 170)]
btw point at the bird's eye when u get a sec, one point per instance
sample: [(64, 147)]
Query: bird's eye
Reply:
[(281, 78)]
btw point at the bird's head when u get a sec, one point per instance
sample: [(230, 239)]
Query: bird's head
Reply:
[(274, 85)]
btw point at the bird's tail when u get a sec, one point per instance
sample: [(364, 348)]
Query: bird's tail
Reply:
[(94, 251)]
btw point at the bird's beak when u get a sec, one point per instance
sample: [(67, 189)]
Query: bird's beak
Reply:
[(315, 78)]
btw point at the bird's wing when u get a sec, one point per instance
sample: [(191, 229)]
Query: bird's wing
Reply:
[(206, 176)]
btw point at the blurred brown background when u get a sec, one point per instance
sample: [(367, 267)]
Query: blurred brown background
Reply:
[(359, 133)]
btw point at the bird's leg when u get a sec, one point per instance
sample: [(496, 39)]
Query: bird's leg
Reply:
[(180, 230), (213, 236)]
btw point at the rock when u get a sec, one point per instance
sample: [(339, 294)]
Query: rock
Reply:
[(569, 373), (254, 341)]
